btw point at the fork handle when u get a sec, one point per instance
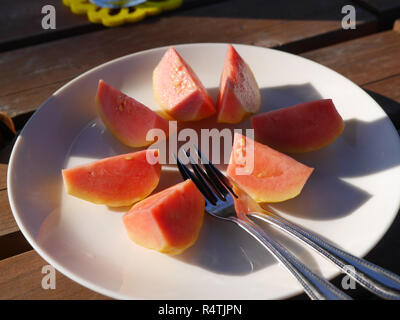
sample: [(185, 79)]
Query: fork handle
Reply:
[(376, 279), (315, 287)]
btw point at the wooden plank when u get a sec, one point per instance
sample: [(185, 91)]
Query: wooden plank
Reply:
[(21, 278), (7, 221), (12, 241), (28, 100), (387, 94), (364, 60), (387, 10), (3, 175), (372, 62), (30, 74)]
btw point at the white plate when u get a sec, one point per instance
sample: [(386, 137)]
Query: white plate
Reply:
[(351, 198)]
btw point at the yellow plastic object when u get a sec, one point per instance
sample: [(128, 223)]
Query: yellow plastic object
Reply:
[(105, 16)]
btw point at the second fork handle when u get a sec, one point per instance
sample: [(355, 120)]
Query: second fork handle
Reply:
[(315, 287), (379, 281)]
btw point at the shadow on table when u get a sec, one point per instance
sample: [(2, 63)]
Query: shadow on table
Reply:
[(391, 107)]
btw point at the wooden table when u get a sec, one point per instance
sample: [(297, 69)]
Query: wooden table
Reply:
[(35, 62)]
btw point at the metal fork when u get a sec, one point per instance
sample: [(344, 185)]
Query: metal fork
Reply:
[(219, 195), (374, 278)]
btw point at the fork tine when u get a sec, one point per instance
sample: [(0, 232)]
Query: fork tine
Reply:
[(202, 177), (220, 188), (200, 184), (199, 172), (217, 176), (182, 169)]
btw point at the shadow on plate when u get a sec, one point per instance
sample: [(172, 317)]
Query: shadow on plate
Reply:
[(323, 198), (362, 149), (223, 247)]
